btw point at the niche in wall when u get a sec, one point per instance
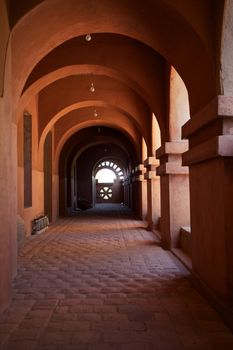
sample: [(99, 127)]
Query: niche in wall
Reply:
[(48, 176), (27, 159)]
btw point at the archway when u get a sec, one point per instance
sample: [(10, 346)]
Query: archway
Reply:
[(108, 177), (80, 161), (176, 25)]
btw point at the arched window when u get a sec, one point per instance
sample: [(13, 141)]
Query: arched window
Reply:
[(105, 176), (108, 171)]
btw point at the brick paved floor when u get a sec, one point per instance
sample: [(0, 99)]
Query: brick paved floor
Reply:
[(100, 281)]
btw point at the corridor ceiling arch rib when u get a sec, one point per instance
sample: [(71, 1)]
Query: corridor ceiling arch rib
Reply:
[(89, 70), (116, 49), (131, 135), (85, 116), (139, 68), (79, 149), (67, 91), (93, 105), (64, 25), (65, 122), (76, 144)]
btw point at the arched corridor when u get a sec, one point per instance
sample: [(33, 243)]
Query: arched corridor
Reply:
[(100, 280), (142, 91)]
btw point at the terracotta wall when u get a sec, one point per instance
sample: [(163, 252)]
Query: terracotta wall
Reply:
[(6, 215), (4, 36), (8, 209)]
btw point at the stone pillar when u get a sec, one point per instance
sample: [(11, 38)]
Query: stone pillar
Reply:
[(8, 205), (210, 160), (141, 191), (127, 191), (153, 193), (174, 184), (131, 203)]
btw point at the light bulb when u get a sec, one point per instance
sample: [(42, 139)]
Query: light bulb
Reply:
[(88, 37), (92, 88), (95, 113)]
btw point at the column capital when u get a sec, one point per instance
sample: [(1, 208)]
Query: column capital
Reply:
[(151, 161), (219, 108), (174, 147), (139, 167), (210, 132), (138, 173), (170, 155), (172, 169)]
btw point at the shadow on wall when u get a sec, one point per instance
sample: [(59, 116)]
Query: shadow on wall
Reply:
[(21, 231)]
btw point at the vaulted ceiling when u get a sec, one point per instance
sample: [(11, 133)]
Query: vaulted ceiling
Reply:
[(127, 61)]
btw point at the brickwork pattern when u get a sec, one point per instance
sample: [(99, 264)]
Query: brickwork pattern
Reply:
[(100, 281)]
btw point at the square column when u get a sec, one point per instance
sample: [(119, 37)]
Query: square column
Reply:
[(128, 191), (174, 184), (140, 189), (210, 161), (8, 205), (153, 193)]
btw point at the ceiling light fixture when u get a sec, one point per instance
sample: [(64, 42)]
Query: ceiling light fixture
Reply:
[(92, 88), (88, 37)]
